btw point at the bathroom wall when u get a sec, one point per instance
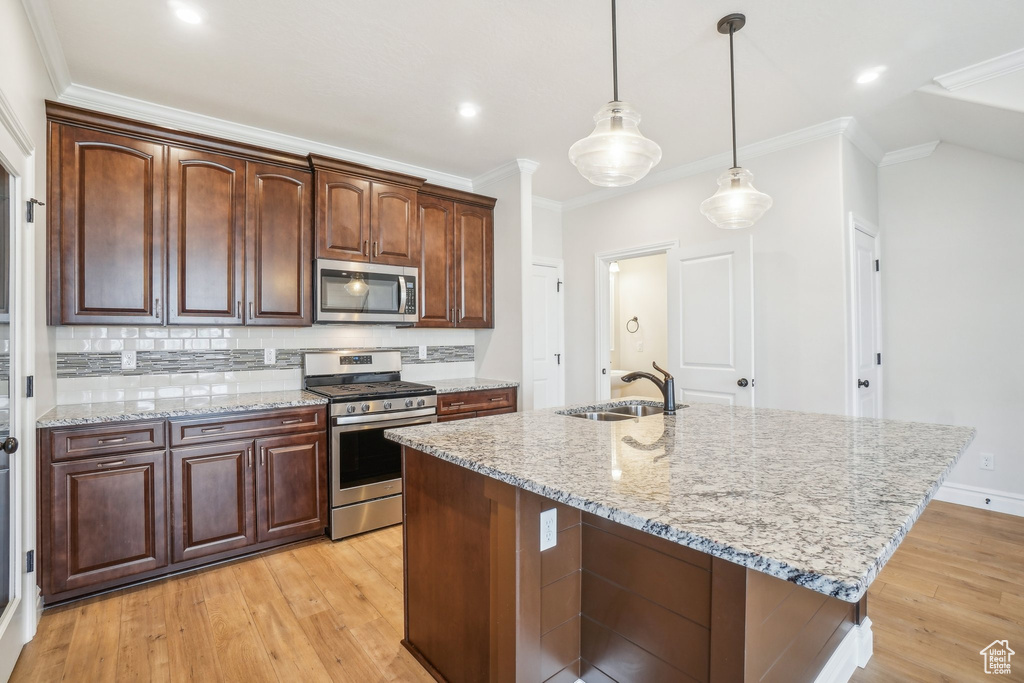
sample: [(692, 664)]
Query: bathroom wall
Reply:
[(641, 291), (176, 362)]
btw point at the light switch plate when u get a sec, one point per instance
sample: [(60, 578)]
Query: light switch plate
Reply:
[(548, 529), (269, 356), (128, 360), (988, 461)]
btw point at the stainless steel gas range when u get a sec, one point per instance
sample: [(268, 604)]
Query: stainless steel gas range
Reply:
[(366, 396)]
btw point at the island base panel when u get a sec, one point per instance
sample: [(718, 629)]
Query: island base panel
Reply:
[(607, 603)]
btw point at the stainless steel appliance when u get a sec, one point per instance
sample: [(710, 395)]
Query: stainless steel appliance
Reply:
[(366, 397), (351, 292)]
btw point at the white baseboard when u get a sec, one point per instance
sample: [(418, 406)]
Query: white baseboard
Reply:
[(972, 496), (854, 650)]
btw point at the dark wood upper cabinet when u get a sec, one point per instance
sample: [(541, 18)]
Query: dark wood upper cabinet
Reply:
[(365, 214), (212, 499), (107, 228), (291, 485), (109, 519), (279, 254), (205, 238), (456, 258), (437, 281)]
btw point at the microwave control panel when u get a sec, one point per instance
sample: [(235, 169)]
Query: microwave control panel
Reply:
[(410, 295)]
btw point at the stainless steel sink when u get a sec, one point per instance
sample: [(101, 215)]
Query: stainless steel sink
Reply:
[(636, 411), (603, 417)]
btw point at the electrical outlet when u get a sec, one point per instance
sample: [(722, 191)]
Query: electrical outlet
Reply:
[(988, 461), (423, 352), (127, 360), (269, 356), (548, 529)]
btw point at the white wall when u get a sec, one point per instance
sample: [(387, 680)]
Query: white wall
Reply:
[(798, 270), (642, 291), (547, 231), (953, 303)]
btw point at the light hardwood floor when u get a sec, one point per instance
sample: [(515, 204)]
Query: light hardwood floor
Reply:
[(333, 611)]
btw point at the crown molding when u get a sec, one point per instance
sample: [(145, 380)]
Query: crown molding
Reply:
[(170, 117), (898, 156), (507, 170), (845, 126), (982, 71), (41, 21), (548, 204), (10, 121)]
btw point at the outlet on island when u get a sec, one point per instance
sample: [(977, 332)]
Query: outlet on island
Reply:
[(548, 529)]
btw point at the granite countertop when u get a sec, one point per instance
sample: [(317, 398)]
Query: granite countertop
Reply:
[(123, 411), (451, 386), (820, 500)]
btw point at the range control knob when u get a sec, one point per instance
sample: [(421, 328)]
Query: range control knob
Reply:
[(351, 409), (408, 403), (421, 403), (366, 407), (387, 405)]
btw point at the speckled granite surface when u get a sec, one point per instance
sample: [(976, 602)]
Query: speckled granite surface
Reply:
[(123, 411), (450, 386), (820, 500)]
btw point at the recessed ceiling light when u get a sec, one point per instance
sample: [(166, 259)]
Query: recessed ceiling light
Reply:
[(186, 13), (870, 75), (468, 109)]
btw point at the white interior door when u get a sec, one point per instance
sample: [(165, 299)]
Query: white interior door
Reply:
[(547, 352), (867, 380), (710, 321)]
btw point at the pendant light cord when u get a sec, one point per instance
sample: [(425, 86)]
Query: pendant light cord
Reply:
[(615, 59), (732, 90)]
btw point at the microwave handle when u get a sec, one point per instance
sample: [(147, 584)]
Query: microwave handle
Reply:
[(405, 294)]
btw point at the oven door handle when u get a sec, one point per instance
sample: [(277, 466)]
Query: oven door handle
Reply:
[(383, 424)]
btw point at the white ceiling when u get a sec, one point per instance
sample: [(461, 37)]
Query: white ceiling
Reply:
[(385, 77)]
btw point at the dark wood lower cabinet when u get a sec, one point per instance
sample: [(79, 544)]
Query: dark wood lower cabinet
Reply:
[(115, 517), (291, 483), (607, 602), (110, 519), (213, 500)]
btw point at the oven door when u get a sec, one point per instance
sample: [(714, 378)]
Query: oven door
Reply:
[(365, 465), (365, 293)]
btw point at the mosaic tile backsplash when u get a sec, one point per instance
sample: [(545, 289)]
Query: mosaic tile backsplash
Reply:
[(174, 362)]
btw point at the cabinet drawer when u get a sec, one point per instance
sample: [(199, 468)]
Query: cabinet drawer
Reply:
[(470, 401), (106, 439), (248, 425)]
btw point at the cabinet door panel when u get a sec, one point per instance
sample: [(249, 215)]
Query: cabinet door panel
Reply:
[(394, 230), (474, 260), (109, 519), (212, 499), (205, 238), (111, 223), (291, 486), (437, 286), (342, 217), (278, 246)]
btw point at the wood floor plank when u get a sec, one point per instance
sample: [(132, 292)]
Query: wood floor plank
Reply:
[(344, 597), (92, 653), (384, 597), (382, 558), (237, 643), (291, 654), (383, 644), (343, 658), (43, 658), (142, 651), (189, 634), (301, 592)]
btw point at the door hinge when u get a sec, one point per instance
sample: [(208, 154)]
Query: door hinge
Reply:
[(558, 356), (877, 266), (878, 359), (558, 286), (30, 210), (30, 386), (30, 561)]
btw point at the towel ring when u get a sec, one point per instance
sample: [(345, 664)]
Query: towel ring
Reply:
[(635, 322)]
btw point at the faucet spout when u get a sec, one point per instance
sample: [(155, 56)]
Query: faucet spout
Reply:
[(667, 386)]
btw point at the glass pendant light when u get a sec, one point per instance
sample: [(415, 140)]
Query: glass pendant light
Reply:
[(616, 153), (737, 204)]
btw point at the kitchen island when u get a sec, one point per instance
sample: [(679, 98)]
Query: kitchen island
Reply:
[(719, 544)]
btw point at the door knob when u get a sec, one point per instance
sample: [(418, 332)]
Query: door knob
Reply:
[(863, 383), (9, 445), (742, 382)]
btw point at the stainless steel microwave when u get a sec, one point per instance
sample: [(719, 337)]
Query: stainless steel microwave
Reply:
[(351, 292)]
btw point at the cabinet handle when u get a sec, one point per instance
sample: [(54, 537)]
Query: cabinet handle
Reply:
[(376, 251), (294, 420), (457, 403), (238, 309), (251, 314), (263, 455), (498, 398), (156, 308), (211, 429), (120, 439), (366, 247), (111, 464), (249, 452)]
